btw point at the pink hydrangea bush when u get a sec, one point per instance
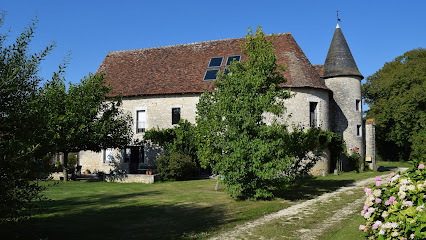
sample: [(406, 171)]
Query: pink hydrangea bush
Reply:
[(395, 208)]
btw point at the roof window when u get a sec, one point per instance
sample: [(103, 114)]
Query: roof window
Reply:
[(215, 62), (233, 58), (210, 74)]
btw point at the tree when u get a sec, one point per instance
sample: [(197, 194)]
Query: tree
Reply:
[(82, 117), (396, 95), (234, 139), (21, 162)]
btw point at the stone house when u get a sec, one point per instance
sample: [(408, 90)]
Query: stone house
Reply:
[(162, 85)]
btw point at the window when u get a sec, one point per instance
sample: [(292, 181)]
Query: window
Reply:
[(213, 68), (358, 105), (358, 130), (215, 62), (175, 115), (108, 156), (140, 121), (313, 114), (232, 58), (126, 154), (210, 74)]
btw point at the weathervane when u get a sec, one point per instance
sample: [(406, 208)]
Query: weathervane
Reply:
[(338, 19)]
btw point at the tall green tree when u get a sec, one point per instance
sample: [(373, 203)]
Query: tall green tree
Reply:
[(82, 117), (20, 159), (234, 139), (396, 95)]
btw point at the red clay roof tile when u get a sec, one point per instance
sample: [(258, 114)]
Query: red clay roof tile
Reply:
[(180, 69)]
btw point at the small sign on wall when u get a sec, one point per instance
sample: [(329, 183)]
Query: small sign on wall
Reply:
[(368, 159)]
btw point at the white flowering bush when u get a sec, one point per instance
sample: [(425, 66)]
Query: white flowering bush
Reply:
[(395, 207)]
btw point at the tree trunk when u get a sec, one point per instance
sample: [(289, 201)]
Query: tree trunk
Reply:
[(65, 167), (217, 184)]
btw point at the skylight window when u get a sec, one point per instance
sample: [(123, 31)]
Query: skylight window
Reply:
[(233, 58), (215, 62), (210, 74)]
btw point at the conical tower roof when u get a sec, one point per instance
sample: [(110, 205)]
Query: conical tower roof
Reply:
[(339, 61)]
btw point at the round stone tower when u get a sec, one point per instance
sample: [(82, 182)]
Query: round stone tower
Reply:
[(343, 78)]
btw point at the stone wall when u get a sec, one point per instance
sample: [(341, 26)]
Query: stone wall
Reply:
[(370, 144), (297, 108), (132, 178), (347, 116), (298, 115), (159, 115)]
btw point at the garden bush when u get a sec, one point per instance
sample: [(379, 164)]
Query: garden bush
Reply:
[(176, 167), (395, 207), (355, 159)]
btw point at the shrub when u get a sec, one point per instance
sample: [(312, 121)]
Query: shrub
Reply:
[(179, 139), (355, 159), (176, 167), (395, 208)]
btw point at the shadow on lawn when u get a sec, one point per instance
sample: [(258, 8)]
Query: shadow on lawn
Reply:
[(74, 218), (308, 188)]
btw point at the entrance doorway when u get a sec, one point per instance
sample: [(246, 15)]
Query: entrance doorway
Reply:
[(136, 157)]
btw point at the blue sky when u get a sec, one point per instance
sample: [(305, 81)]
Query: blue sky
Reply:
[(377, 31)]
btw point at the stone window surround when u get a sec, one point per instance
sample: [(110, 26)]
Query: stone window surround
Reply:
[(358, 130), (319, 116), (358, 105)]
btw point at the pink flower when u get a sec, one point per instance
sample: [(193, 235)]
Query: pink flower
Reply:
[(412, 236), (378, 184), (375, 226), (392, 174), (378, 179), (421, 166), (361, 227), (362, 213), (409, 203), (392, 198), (365, 208), (378, 200), (388, 202), (388, 179), (366, 189)]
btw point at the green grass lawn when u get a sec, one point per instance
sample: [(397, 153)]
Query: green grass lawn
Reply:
[(166, 210)]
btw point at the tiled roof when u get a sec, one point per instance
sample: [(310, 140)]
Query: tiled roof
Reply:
[(180, 69), (339, 61), (319, 69)]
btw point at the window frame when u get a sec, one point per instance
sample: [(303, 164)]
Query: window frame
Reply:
[(180, 115), (227, 59), (210, 79), (313, 121), (358, 105), (220, 65), (141, 109), (106, 161), (358, 130)]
